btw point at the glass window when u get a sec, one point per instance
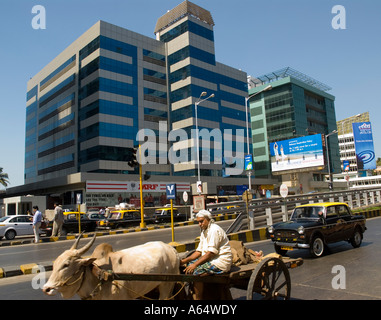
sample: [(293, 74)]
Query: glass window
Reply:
[(57, 71), (31, 93), (89, 49), (56, 108), (118, 47), (331, 212), (154, 55), (185, 27), (56, 91), (193, 52), (342, 210)]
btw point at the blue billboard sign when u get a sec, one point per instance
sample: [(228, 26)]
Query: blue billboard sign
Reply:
[(346, 165), (296, 154), (363, 138), (248, 162)]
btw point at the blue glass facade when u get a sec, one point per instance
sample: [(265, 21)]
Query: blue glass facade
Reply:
[(106, 107), (31, 135), (187, 26), (291, 109), (229, 91), (85, 110)]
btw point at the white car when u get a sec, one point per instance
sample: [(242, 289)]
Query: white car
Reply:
[(18, 225)]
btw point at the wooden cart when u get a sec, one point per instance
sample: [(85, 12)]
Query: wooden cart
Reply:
[(268, 279)]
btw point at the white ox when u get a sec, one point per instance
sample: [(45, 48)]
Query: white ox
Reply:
[(73, 274)]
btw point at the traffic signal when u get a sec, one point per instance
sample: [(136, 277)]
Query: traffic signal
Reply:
[(133, 160)]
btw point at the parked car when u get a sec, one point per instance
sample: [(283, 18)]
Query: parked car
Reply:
[(314, 226), (71, 224), (164, 215), (95, 216), (121, 219), (16, 225)]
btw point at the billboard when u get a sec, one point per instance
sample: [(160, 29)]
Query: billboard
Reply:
[(248, 162), (297, 154), (363, 138)]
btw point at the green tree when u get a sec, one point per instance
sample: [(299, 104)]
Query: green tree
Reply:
[(3, 178)]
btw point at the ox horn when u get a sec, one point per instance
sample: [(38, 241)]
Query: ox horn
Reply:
[(75, 244), (87, 246)]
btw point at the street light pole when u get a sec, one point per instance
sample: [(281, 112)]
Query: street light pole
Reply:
[(269, 87), (203, 94), (330, 184)]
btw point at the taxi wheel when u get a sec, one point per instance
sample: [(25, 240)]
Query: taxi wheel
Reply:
[(356, 239), (317, 247)]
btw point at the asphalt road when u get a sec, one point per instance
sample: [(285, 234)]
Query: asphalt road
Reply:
[(49, 251), (356, 271), (314, 280)]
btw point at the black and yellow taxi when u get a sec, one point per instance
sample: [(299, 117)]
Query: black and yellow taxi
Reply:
[(122, 218), (314, 226), (71, 223), (163, 215)]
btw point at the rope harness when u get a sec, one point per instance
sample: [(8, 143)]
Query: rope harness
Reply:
[(65, 283), (105, 276)]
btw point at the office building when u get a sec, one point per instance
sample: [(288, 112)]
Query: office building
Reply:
[(85, 108), (187, 32), (347, 143), (296, 106)]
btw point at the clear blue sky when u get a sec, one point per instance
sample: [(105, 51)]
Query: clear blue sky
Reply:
[(253, 35)]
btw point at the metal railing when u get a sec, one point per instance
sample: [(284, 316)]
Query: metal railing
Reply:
[(264, 212)]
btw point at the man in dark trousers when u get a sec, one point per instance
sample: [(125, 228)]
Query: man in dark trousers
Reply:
[(58, 220)]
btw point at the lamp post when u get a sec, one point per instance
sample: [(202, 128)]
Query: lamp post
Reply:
[(203, 94), (269, 87), (330, 184)]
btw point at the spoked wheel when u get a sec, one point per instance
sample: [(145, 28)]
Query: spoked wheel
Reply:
[(270, 280)]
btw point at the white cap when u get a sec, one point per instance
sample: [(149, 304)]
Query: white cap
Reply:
[(204, 214)]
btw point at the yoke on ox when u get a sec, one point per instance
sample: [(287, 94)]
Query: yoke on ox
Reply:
[(73, 274)]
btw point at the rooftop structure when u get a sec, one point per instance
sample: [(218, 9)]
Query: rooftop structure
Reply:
[(184, 9), (284, 73)]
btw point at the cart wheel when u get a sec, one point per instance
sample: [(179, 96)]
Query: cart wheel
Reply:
[(270, 280)]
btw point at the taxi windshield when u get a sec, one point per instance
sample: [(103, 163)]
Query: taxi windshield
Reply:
[(307, 213), (114, 215)]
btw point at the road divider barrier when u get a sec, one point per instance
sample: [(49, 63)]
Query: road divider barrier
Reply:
[(244, 236)]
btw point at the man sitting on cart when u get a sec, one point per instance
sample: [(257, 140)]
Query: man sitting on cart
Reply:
[(213, 254)]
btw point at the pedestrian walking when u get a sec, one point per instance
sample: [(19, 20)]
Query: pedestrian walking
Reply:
[(58, 220), (37, 218)]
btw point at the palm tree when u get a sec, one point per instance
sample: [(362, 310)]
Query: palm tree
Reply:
[(3, 178)]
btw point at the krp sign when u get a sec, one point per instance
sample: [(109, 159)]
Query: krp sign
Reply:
[(171, 191)]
